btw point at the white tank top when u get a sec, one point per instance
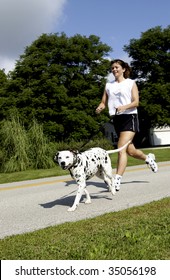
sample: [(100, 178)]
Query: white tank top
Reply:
[(120, 94)]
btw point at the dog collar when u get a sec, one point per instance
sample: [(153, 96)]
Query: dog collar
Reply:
[(75, 159)]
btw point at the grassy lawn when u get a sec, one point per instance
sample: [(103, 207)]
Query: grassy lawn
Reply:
[(141, 233), (161, 155)]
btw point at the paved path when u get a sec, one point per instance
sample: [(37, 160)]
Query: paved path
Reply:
[(31, 205)]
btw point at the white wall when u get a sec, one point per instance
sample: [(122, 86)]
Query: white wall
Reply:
[(160, 136)]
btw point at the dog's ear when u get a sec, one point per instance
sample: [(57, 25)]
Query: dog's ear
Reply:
[(75, 152), (56, 157)]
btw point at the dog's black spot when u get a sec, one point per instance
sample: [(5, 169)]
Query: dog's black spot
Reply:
[(77, 175), (88, 176), (106, 159)]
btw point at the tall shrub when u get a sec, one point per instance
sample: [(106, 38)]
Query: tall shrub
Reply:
[(14, 146), (39, 152)]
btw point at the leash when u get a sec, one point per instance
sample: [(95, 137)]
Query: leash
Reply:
[(64, 196), (101, 129), (92, 135)]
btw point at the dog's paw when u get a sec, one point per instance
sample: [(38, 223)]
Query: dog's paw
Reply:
[(113, 191), (71, 209), (88, 201)]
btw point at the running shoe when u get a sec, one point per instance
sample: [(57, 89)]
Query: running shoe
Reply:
[(150, 161)]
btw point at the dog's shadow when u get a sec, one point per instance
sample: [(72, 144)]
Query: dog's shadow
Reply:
[(68, 199)]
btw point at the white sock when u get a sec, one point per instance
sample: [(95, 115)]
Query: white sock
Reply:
[(119, 177)]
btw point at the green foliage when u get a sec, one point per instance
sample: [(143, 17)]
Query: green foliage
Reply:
[(3, 97), (21, 149), (14, 144), (59, 81), (82, 145), (156, 101), (39, 152), (151, 66), (3, 78)]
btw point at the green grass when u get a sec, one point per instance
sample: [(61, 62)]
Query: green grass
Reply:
[(161, 155), (31, 174), (138, 233)]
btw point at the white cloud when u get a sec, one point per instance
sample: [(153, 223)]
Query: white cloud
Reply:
[(22, 22), (7, 63)]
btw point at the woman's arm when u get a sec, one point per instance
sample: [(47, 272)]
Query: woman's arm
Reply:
[(103, 103)]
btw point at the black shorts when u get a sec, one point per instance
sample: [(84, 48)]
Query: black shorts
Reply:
[(125, 122)]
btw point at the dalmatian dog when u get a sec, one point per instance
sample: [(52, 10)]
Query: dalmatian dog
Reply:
[(85, 165)]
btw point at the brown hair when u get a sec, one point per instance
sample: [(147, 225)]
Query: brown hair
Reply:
[(124, 66)]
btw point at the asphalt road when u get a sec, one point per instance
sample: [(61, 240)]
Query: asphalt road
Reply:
[(31, 205)]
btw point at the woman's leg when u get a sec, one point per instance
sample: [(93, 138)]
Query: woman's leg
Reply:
[(149, 159), (124, 137), (136, 153)]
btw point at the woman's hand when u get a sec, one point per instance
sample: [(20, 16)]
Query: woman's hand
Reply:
[(99, 109), (120, 109)]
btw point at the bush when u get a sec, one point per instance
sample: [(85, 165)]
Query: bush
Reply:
[(15, 146), (39, 152), (22, 150), (82, 145)]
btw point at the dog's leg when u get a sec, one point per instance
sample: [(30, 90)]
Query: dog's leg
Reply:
[(109, 181), (88, 199), (108, 176), (81, 189)]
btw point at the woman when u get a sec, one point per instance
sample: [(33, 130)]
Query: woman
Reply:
[(122, 98)]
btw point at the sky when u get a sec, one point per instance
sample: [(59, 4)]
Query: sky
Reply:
[(115, 22)]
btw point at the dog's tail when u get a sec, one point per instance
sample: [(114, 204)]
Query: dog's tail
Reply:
[(118, 150)]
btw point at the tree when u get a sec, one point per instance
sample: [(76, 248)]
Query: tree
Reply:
[(59, 81), (3, 97), (151, 66), (3, 78)]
